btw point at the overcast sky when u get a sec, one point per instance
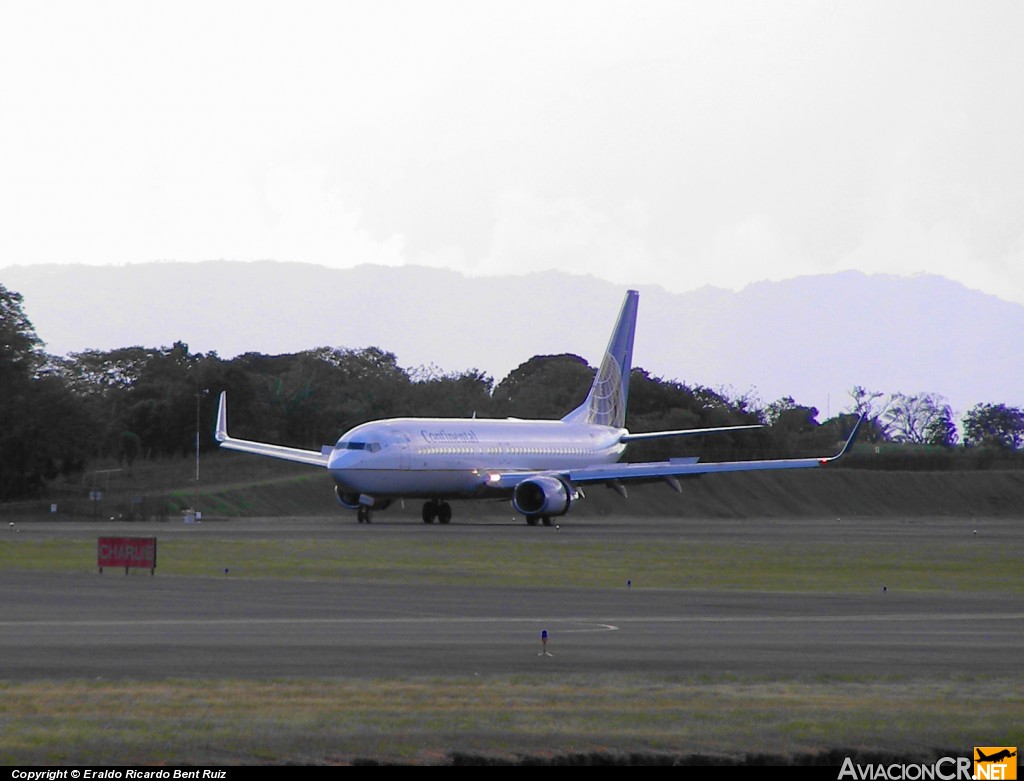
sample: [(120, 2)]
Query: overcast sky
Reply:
[(684, 143)]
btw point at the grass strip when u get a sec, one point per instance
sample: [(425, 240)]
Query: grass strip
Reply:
[(564, 561), (415, 720)]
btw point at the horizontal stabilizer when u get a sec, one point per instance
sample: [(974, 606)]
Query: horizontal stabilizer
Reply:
[(685, 432)]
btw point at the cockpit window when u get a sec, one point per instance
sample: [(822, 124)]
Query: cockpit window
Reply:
[(373, 447)]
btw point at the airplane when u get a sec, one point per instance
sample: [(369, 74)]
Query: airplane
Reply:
[(999, 756), (541, 465)]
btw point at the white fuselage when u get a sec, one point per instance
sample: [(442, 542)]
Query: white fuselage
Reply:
[(451, 457)]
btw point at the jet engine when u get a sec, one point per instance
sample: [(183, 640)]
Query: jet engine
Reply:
[(348, 501), (543, 495), (351, 501)]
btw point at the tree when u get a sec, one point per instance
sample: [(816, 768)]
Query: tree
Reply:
[(871, 405), (920, 418), (452, 395), (162, 401), (994, 425), (21, 350), (795, 430), (941, 430), (546, 386), (43, 429), (656, 404), (789, 416)]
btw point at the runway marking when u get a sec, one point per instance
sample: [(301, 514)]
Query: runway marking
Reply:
[(592, 624)]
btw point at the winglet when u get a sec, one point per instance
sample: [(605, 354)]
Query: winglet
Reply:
[(849, 441), (221, 434)]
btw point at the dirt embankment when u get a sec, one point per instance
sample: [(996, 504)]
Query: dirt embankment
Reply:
[(830, 491), (769, 494), (824, 492)]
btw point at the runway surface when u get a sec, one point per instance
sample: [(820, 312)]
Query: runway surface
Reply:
[(110, 627)]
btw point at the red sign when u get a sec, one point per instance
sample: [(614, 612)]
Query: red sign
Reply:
[(126, 552)]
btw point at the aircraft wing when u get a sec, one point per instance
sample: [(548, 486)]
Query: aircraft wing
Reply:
[(310, 457), (677, 467)]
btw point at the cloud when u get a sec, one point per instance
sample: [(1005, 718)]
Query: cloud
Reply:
[(534, 233), (676, 143)]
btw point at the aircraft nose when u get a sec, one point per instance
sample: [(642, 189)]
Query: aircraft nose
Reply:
[(341, 458)]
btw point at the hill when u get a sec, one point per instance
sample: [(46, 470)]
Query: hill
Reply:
[(812, 338)]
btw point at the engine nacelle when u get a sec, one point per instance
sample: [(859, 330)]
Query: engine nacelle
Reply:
[(348, 501), (351, 501), (543, 495)]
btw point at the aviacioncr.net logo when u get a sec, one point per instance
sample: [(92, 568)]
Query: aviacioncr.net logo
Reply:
[(995, 762), (944, 769)]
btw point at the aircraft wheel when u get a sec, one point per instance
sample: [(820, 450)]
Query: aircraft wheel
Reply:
[(363, 514), (444, 513), (546, 519), (429, 512), (531, 520)]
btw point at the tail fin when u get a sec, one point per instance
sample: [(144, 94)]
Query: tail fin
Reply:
[(606, 402)]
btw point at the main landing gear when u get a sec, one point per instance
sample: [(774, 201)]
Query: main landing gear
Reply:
[(439, 511), (363, 514), (532, 520)]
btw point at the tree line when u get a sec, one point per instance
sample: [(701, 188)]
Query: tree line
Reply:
[(58, 414)]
